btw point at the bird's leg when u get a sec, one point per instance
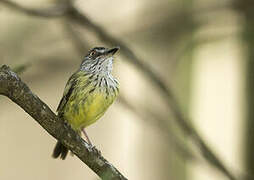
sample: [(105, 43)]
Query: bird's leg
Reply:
[(88, 140)]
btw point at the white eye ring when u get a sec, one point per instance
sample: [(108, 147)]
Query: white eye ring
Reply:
[(92, 53)]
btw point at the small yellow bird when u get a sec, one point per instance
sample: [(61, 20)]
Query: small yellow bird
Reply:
[(88, 93)]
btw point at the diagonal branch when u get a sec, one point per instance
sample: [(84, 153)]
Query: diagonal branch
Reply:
[(56, 11), (12, 87)]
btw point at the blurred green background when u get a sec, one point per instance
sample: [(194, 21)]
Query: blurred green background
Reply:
[(202, 50)]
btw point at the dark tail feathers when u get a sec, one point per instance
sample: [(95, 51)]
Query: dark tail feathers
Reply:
[(60, 150)]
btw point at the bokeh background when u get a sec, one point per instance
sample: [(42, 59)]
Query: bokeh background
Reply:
[(202, 50)]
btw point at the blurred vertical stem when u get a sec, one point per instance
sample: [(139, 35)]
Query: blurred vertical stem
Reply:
[(183, 82), (183, 70), (245, 9)]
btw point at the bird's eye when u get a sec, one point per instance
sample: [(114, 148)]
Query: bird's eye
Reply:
[(92, 53)]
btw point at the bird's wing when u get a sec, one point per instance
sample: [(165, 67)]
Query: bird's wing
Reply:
[(67, 92)]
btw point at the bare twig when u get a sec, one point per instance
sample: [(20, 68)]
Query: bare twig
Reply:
[(12, 87), (56, 11), (75, 15)]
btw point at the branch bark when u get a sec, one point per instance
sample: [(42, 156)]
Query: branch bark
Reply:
[(12, 87)]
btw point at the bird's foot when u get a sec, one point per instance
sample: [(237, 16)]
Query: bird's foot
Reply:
[(95, 150)]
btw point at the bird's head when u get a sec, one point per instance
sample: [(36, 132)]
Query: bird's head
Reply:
[(99, 60)]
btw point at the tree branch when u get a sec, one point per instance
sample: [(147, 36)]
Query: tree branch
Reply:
[(12, 87), (50, 12)]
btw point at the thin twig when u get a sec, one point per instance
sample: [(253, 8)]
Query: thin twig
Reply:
[(56, 11), (12, 87)]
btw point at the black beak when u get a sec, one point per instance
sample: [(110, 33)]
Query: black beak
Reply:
[(113, 50)]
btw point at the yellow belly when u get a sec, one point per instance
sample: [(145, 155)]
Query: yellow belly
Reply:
[(84, 109)]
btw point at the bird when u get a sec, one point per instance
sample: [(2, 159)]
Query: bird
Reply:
[(88, 93)]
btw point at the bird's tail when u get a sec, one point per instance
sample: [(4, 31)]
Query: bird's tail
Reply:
[(60, 150)]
